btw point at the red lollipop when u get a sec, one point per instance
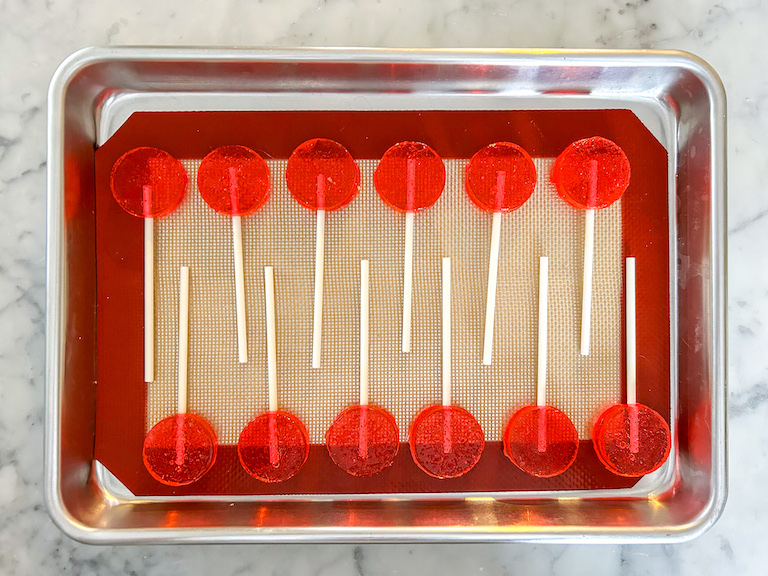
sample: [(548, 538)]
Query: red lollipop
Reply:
[(322, 176), (275, 444), (631, 439), (364, 439), (235, 180), (410, 177), (446, 441), (590, 174), (148, 183), (180, 449), (500, 178), (541, 440)]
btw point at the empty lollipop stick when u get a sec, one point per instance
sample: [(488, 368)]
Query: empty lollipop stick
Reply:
[(365, 290), (541, 371), (317, 324), (149, 287), (490, 302), (631, 320), (589, 257), (269, 299), (410, 191), (183, 375), (237, 241), (446, 331)]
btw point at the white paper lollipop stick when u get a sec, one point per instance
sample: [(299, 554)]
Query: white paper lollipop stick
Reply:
[(269, 298), (541, 371), (490, 303), (183, 373), (446, 331), (408, 281), (631, 333), (493, 274), (589, 257), (631, 314), (410, 191), (237, 241), (149, 289), (242, 327), (365, 290), (317, 323), (269, 301)]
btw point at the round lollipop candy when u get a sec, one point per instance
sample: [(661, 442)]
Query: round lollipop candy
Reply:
[(234, 180), (446, 441), (631, 439), (181, 448), (410, 177), (321, 175), (148, 183), (590, 174), (364, 439), (541, 440), (500, 178), (275, 444)]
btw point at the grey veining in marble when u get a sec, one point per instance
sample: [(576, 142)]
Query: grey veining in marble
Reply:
[(36, 35)]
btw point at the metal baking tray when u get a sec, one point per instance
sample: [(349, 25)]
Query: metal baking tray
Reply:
[(678, 98)]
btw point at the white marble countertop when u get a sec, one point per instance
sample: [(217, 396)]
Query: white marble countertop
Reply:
[(36, 36)]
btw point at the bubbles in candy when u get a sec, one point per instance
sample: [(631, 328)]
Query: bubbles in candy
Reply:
[(446, 441), (322, 175), (631, 439), (501, 177), (148, 182), (363, 440), (180, 449), (541, 441), (410, 177), (273, 446), (592, 173), (233, 180)]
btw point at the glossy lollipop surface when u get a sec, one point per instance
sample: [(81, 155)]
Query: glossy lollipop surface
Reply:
[(322, 175), (631, 452), (363, 440), (410, 177), (501, 177), (273, 446), (180, 449), (575, 181), (233, 180), (541, 441), (148, 182), (446, 441)]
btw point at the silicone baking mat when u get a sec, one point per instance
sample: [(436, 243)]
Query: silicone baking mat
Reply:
[(282, 235)]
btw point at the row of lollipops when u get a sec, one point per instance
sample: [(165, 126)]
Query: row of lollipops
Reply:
[(321, 175), (446, 441)]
